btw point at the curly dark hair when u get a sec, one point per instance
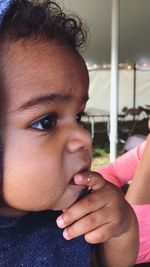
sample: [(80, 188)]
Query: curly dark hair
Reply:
[(42, 20), (38, 20)]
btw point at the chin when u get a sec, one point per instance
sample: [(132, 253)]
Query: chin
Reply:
[(70, 201), (64, 206)]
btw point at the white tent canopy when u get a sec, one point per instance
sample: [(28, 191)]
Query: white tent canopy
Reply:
[(100, 89), (134, 29)]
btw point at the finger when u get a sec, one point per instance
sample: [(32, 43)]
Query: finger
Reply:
[(87, 224), (92, 180), (101, 234), (90, 203)]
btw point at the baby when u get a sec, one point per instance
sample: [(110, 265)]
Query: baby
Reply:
[(47, 152)]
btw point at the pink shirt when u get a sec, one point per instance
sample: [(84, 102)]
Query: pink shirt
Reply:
[(119, 173)]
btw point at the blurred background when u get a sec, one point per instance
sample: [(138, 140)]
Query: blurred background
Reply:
[(133, 71)]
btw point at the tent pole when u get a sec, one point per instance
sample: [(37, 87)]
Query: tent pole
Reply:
[(134, 89), (114, 80)]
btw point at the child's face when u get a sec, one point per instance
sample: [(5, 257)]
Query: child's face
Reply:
[(44, 142)]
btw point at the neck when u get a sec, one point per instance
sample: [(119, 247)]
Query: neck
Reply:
[(6, 211)]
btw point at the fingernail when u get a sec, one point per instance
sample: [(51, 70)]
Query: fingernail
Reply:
[(66, 235), (60, 222)]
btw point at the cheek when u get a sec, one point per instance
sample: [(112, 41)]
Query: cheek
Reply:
[(31, 177)]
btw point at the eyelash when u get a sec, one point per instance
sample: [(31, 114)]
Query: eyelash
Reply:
[(49, 122)]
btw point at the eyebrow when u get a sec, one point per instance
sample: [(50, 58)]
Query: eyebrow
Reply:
[(47, 98)]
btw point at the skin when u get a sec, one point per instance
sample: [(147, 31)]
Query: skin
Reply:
[(103, 217), (139, 190), (44, 156), (48, 169)]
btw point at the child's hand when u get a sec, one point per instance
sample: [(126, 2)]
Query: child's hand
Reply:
[(99, 216)]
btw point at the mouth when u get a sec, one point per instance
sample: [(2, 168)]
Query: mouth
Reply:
[(82, 170), (83, 191), (76, 191)]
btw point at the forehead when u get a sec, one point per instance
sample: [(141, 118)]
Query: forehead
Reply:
[(34, 67)]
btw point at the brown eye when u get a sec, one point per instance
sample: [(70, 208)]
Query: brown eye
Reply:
[(45, 124)]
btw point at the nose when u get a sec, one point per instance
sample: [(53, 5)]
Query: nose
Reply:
[(79, 139)]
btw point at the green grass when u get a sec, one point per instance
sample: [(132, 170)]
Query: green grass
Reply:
[(99, 161), (100, 157), (100, 152), (101, 141)]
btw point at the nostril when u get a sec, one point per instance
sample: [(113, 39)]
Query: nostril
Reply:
[(79, 139), (75, 145)]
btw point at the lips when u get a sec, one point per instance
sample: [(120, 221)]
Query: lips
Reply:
[(72, 182), (85, 168)]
